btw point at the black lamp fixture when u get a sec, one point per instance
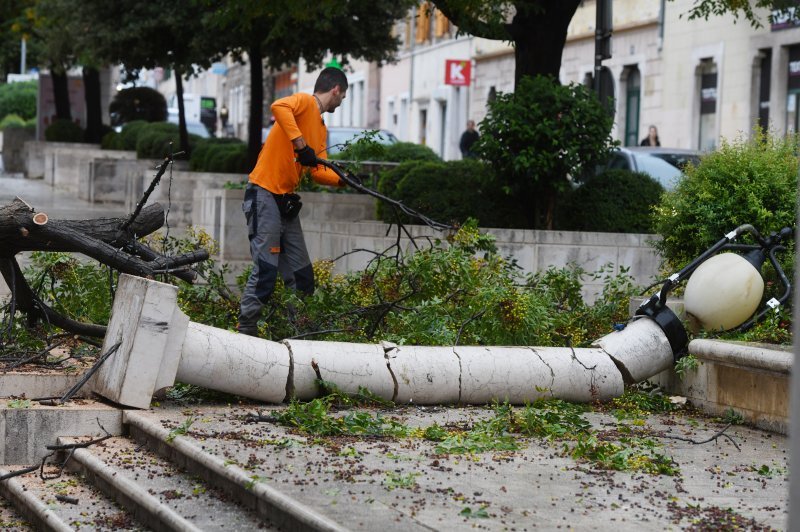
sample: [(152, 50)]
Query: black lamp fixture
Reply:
[(724, 287)]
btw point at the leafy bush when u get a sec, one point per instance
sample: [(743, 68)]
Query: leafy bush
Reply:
[(220, 155), (747, 181), (138, 103), (12, 121), (111, 141), (19, 99), (64, 131), (448, 192), (536, 136), (156, 140), (129, 135), (408, 151), (616, 201)]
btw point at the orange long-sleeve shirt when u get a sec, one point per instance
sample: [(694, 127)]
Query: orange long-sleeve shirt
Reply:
[(276, 170)]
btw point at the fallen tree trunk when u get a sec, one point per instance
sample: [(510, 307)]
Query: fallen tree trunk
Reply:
[(111, 241)]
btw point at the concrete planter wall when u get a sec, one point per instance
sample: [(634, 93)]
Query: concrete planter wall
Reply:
[(219, 213), (12, 144), (334, 224), (72, 166)]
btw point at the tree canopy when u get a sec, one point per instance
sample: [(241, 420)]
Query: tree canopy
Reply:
[(278, 33)]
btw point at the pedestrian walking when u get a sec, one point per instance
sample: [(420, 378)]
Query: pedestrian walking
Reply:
[(271, 205), (468, 138)]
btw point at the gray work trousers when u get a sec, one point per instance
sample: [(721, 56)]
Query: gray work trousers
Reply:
[(276, 246)]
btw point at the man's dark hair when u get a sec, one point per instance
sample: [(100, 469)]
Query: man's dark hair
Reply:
[(329, 78)]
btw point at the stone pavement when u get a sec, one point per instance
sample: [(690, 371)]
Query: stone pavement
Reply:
[(367, 483)]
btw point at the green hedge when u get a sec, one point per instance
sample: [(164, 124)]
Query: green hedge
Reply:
[(16, 121), (64, 131), (220, 155), (396, 153), (448, 192), (616, 201), (19, 99), (408, 151), (158, 139)]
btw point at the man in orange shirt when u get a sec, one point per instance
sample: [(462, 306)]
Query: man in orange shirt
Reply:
[(298, 137)]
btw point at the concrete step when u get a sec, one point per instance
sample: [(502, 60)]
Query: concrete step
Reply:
[(27, 427), (158, 493), (12, 520), (273, 505), (83, 506)]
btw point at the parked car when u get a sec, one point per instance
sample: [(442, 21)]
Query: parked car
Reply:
[(338, 136), (665, 165), (193, 128)]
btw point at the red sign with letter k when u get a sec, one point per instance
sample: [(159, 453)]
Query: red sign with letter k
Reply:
[(457, 72)]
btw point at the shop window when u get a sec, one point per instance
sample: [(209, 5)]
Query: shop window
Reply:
[(765, 74), (793, 91), (633, 93), (707, 138)]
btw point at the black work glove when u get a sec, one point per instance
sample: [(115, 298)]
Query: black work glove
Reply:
[(306, 156)]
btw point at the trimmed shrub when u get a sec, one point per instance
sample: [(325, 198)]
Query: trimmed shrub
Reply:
[(408, 151), (157, 140), (747, 181), (616, 201), (129, 135), (208, 150), (64, 131), (12, 121), (447, 192), (111, 141), (138, 103), (19, 99)]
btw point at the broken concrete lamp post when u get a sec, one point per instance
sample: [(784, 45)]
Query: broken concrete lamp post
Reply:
[(160, 345)]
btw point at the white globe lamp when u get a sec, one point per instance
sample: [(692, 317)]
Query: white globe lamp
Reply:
[(723, 292)]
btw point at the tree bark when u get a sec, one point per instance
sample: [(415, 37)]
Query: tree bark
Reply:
[(94, 107), (61, 95), (255, 123), (182, 132), (539, 38)]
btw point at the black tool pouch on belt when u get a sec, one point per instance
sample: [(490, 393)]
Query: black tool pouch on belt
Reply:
[(289, 205)]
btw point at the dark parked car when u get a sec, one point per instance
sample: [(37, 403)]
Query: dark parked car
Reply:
[(665, 165)]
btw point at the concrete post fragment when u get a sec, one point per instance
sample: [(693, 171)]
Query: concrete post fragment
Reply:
[(524, 374), (424, 375), (347, 365), (234, 363), (146, 319), (640, 350)]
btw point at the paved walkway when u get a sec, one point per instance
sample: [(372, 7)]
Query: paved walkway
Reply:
[(57, 203)]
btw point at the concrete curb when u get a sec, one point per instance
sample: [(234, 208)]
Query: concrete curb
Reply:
[(31, 507), (270, 503), (147, 509), (747, 356)]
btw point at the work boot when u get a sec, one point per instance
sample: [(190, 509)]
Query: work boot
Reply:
[(248, 329)]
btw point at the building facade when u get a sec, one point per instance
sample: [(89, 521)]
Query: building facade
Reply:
[(697, 81)]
